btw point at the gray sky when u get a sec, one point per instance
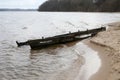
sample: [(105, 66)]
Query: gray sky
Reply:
[(20, 3)]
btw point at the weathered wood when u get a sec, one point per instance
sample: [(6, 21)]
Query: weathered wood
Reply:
[(64, 38)]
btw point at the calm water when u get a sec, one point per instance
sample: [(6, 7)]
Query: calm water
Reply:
[(55, 63)]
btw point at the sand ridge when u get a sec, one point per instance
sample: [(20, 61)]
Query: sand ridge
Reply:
[(110, 41)]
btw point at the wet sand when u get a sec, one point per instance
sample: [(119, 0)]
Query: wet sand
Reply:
[(107, 43), (105, 66)]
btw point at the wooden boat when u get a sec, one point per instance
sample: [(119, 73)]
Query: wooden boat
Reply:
[(60, 39)]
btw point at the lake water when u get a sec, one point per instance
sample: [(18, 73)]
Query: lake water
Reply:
[(62, 62)]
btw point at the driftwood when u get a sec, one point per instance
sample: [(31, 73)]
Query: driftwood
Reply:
[(64, 38)]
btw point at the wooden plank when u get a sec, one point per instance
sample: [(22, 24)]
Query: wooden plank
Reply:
[(60, 38)]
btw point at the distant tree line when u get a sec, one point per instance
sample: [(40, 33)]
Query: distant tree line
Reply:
[(7, 9), (81, 5)]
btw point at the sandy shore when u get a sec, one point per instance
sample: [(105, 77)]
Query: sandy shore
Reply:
[(107, 43)]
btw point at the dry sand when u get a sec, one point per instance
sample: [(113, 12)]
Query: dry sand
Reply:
[(107, 43)]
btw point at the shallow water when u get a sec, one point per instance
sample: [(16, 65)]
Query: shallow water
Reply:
[(55, 63)]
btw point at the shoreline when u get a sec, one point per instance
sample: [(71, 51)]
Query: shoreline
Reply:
[(105, 66), (107, 44)]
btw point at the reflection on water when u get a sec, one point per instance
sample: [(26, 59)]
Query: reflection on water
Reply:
[(92, 62), (57, 63), (48, 62)]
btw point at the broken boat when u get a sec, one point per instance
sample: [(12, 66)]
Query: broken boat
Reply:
[(61, 39)]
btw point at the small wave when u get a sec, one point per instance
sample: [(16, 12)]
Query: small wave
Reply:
[(51, 63)]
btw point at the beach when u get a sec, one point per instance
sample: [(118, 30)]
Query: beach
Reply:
[(107, 43)]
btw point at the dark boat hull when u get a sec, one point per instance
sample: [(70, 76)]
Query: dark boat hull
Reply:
[(60, 39), (38, 45)]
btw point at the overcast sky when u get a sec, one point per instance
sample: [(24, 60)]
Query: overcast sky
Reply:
[(20, 3)]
